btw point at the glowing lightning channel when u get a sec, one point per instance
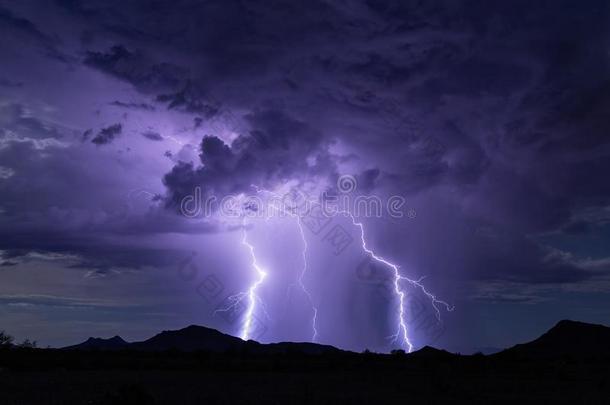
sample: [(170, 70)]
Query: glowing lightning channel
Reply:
[(303, 254), (252, 297), (302, 285), (402, 330), (251, 292)]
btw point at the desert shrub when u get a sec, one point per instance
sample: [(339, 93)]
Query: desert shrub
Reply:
[(5, 339)]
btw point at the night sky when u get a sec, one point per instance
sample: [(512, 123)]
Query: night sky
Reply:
[(490, 118)]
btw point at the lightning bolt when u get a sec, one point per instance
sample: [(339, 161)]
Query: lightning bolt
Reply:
[(402, 330), (302, 284), (399, 292), (252, 297), (303, 254), (250, 294)]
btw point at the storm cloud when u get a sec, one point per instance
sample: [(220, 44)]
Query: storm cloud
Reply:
[(491, 119)]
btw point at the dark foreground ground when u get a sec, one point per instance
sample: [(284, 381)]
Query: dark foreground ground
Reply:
[(126, 377)]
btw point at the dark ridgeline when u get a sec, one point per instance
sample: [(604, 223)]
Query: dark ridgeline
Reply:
[(568, 364), (189, 339), (196, 338), (428, 352), (567, 338), (114, 343)]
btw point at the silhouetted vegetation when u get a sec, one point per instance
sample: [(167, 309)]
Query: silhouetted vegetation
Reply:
[(28, 344), (5, 340)]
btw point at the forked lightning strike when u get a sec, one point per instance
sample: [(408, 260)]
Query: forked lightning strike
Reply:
[(402, 330), (252, 297), (301, 283), (304, 255), (251, 293)]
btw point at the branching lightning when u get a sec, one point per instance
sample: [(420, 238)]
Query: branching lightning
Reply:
[(302, 284), (252, 297), (250, 294), (300, 281), (402, 331)]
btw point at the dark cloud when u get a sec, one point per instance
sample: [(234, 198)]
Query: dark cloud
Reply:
[(134, 106), (367, 179), (475, 99), (189, 99), (488, 111), (136, 68), (13, 25), (485, 115), (153, 136), (21, 24), (277, 149), (107, 135), (52, 216)]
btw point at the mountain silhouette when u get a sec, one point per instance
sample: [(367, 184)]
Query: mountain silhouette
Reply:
[(296, 347), (566, 338), (567, 364), (429, 352), (189, 339), (114, 343), (199, 338)]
